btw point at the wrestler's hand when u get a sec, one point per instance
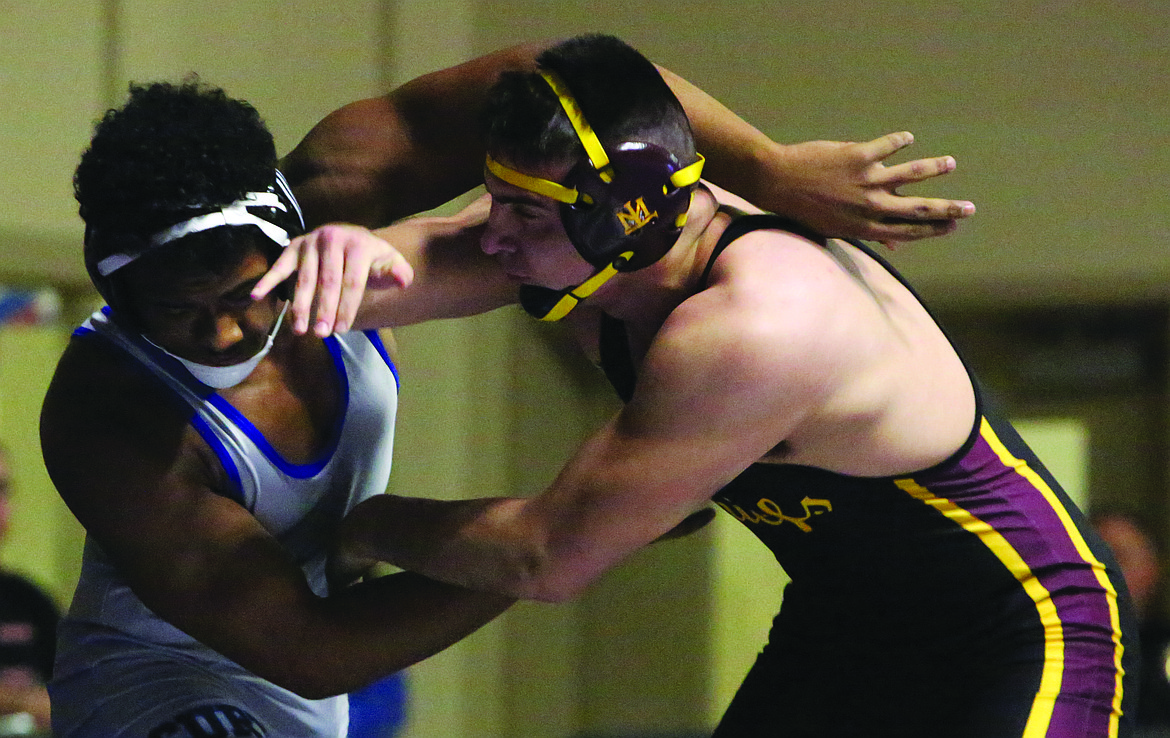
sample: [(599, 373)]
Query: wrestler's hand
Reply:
[(334, 264), (846, 190)]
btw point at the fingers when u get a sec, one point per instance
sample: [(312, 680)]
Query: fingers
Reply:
[(392, 268), (334, 265), (281, 270), (336, 269), (368, 262), (882, 147), (893, 232), (302, 304), (350, 299), (891, 207), (914, 171)]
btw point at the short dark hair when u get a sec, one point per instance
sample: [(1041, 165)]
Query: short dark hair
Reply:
[(621, 93), (170, 152)]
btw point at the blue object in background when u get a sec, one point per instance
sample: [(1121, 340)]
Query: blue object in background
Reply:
[(379, 710)]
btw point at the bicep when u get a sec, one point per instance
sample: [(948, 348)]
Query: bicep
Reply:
[(713, 396), (374, 161), (660, 459)]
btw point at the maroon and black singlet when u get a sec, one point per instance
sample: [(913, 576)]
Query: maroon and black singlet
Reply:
[(970, 599)]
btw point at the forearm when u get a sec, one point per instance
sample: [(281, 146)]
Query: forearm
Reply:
[(453, 277), (243, 596), (482, 544), (323, 646), (740, 157), (385, 625)]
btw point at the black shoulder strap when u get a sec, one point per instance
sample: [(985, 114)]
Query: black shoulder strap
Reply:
[(614, 345), (743, 223)]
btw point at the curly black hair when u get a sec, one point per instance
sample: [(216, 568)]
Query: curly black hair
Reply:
[(171, 152)]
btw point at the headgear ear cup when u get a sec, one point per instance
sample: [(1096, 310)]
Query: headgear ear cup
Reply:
[(640, 210), (633, 198)]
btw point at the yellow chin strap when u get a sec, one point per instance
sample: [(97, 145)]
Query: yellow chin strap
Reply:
[(570, 299)]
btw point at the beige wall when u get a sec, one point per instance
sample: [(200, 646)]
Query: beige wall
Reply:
[(44, 539), (1056, 112)]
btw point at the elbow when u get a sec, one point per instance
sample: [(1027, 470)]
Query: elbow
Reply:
[(544, 579), (312, 669), (323, 679)]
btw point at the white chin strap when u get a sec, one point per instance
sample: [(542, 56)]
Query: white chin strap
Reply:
[(222, 377)]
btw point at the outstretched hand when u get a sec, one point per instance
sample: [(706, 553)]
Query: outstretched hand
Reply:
[(846, 189), (334, 264)]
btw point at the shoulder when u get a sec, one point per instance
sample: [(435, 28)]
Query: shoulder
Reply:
[(95, 377), (778, 310), (106, 419), (774, 284)]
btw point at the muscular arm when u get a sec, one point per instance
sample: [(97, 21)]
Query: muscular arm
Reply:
[(837, 188), (123, 457), (376, 160), (697, 419), (421, 268)]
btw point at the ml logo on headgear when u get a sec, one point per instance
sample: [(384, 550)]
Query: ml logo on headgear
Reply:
[(635, 214)]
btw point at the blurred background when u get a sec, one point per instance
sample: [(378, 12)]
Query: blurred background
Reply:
[(1058, 289)]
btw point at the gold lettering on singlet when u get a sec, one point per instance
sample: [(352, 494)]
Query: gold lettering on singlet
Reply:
[(769, 513)]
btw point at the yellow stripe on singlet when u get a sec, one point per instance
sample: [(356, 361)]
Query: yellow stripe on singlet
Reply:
[(1053, 671), (1086, 555)]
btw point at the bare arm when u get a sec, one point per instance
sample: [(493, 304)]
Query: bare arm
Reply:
[(697, 419), (377, 160), (837, 188), (421, 268), (147, 489)]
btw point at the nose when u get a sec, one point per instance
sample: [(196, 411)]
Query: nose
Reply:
[(494, 240), (225, 331)]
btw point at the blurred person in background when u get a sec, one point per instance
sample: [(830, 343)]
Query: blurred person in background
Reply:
[(28, 633), (1142, 563)]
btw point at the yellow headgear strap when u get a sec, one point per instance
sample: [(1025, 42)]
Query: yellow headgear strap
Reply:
[(684, 177), (589, 140), (545, 187), (570, 299)]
